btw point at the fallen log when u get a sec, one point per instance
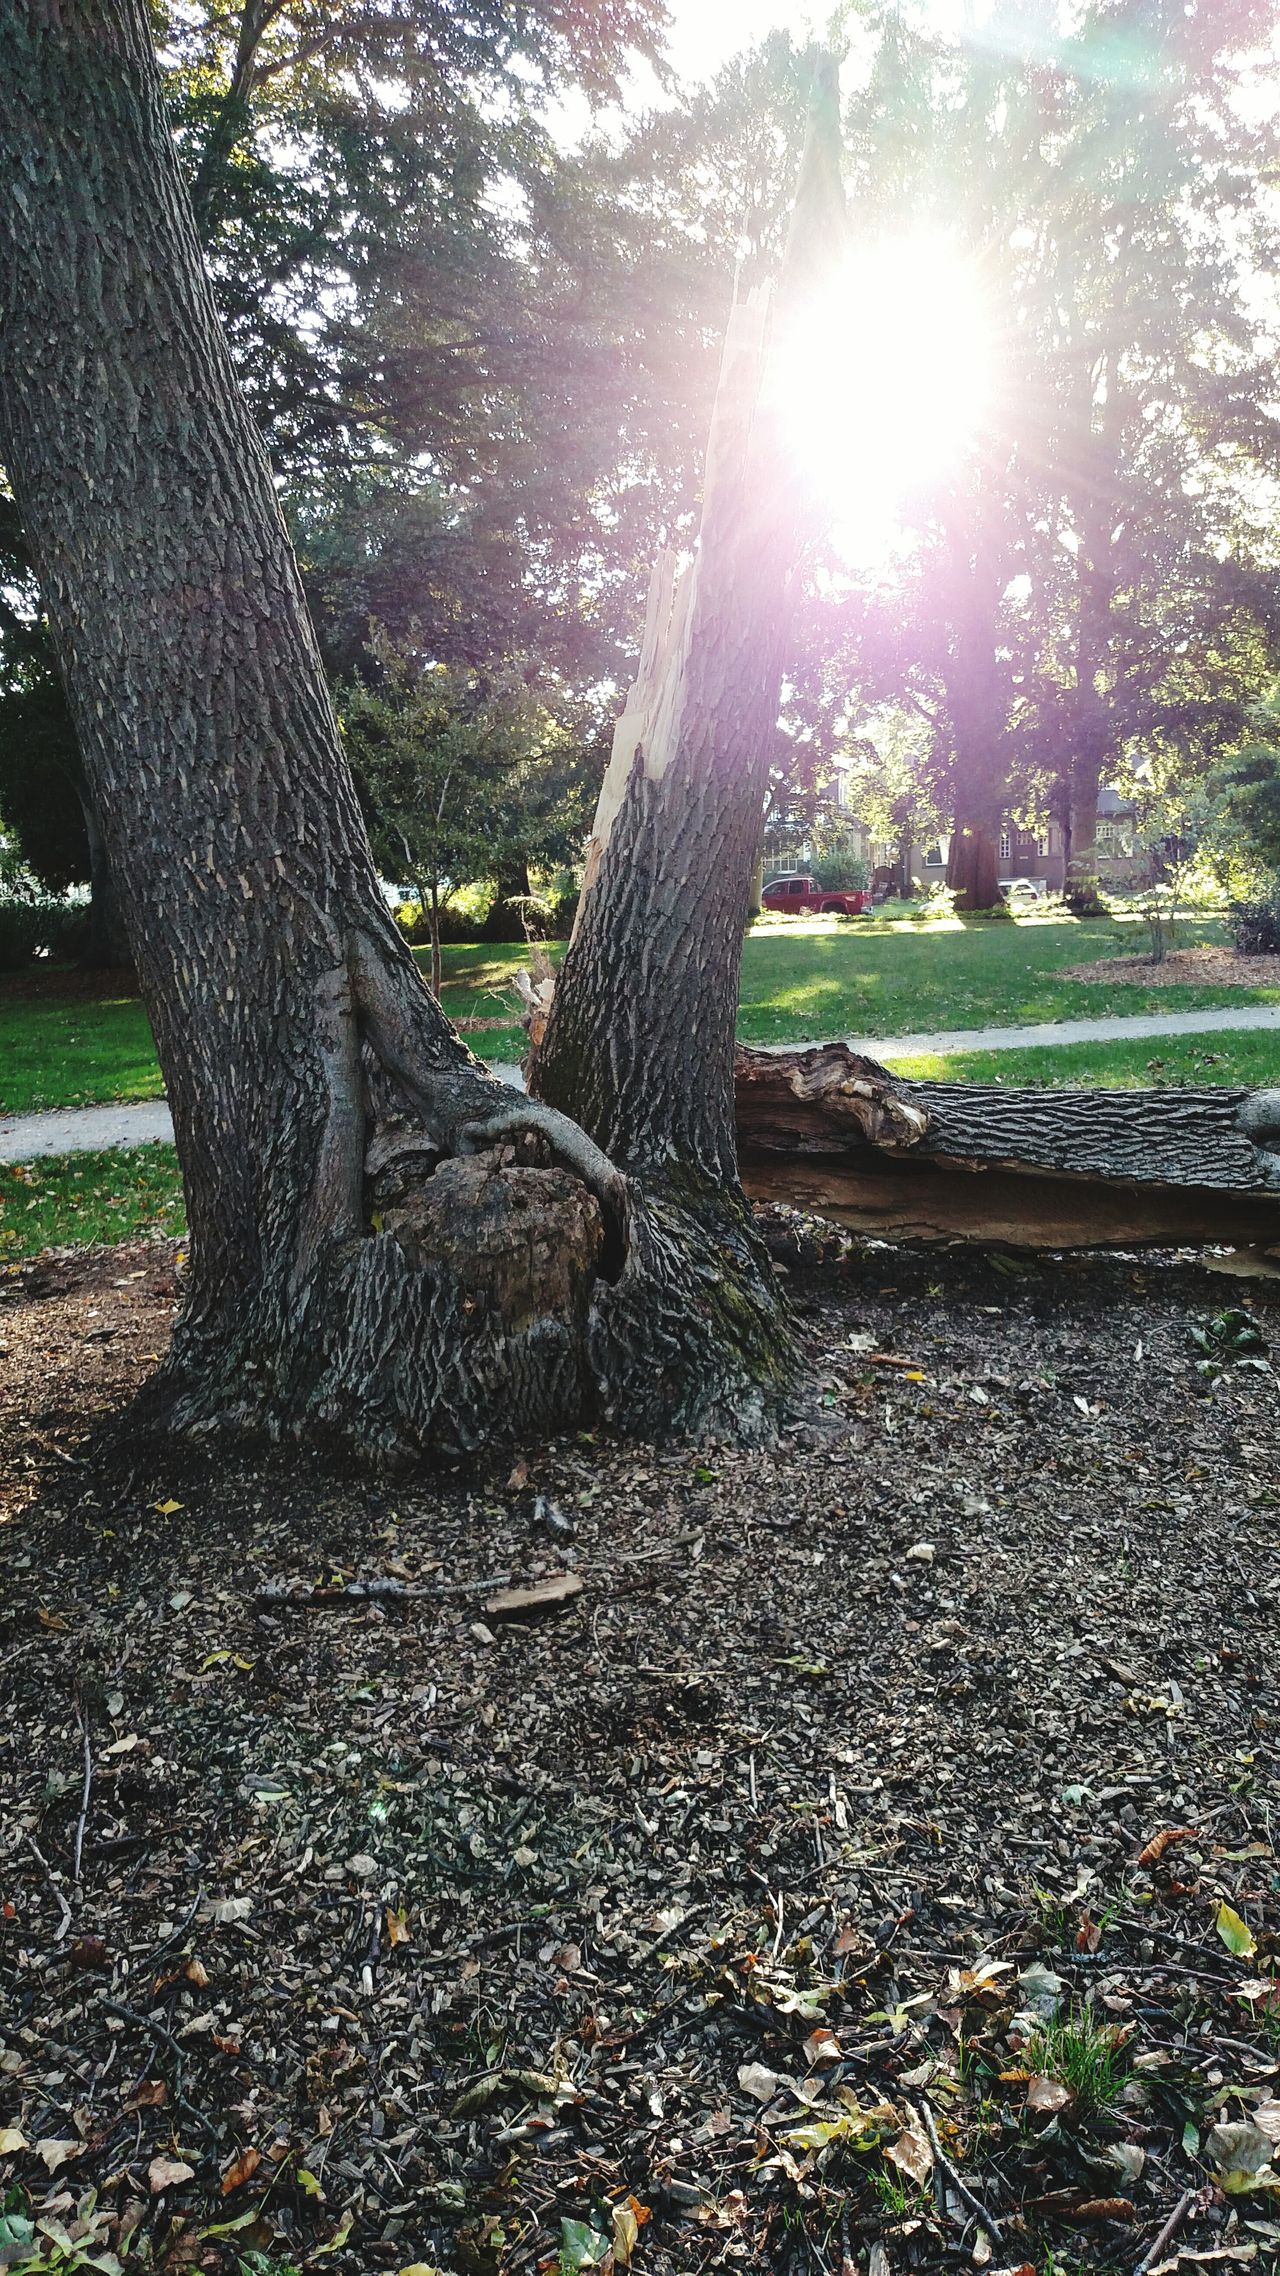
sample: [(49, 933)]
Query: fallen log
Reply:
[(834, 1132)]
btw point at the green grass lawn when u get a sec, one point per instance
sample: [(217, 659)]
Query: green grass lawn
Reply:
[(1235, 1059), (802, 979), (88, 1197), (64, 1053)]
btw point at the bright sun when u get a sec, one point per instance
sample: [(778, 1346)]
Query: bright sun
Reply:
[(882, 383)]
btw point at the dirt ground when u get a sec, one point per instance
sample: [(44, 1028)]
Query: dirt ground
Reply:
[(871, 1868), (1208, 967)]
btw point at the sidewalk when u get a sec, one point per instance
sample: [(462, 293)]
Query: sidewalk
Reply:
[(83, 1129)]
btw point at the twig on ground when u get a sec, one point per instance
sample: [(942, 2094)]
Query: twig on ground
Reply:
[(65, 1922), (81, 1821), (163, 2037), (175, 1936), (1168, 2232), (962, 2189), (280, 1595)]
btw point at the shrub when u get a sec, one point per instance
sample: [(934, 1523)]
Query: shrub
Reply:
[(1255, 925), (33, 925), (839, 868)]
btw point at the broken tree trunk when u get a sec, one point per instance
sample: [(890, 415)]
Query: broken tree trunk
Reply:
[(640, 1032), (836, 1133)]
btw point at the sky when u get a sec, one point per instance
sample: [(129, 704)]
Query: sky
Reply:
[(706, 33)]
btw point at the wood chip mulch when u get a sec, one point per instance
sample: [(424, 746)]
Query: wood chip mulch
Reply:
[(871, 1867), (1206, 967)]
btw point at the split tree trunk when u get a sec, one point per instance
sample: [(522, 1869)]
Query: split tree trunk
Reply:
[(639, 1044), (353, 1270)]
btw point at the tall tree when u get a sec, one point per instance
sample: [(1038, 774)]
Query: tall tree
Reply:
[(377, 1283)]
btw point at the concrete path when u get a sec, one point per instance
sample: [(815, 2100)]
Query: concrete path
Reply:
[(82, 1129)]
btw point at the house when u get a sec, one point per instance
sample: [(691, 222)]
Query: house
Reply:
[(1036, 853), (1039, 852)]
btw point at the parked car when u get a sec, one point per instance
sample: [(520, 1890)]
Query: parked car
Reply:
[(796, 894), (1024, 889)]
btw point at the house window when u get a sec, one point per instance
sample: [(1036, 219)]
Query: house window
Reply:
[(933, 857), (1006, 847)]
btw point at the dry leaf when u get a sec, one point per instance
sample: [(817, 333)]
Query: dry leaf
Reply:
[(519, 1475), (167, 2172), (398, 1927), (912, 2155), (243, 2169), (822, 2046), (1095, 2210), (1048, 2096), (58, 2153), (757, 2080), (1163, 1840), (12, 2141)]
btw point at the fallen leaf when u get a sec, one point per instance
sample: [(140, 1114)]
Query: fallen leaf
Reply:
[(1095, 2210), (1235, 1933), (626, 2230), (57, 2153), (519, 1475), (912, 2155), (241, 2170), (166, 1509), (167, 2173), (757, 2080), (1242, 2155), (1163, 1840), (1048, 2096), (821, 2046), (12, 2141), (398, 1927)]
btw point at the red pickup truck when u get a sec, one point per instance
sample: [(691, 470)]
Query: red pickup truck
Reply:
[(798, 893)]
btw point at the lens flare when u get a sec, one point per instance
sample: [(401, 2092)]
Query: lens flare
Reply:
[(881, 384)]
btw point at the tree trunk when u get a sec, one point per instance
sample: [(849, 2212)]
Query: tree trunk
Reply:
[(505, 919), (640, 1036), (353, 1272), (973, 866), (106, 945), (1081, 887), (326, 1294), (831, 1131)]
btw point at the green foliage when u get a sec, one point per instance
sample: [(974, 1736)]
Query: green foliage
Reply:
[(838, 864), (1249, 782), (32, 924), (464, 775), (1255, 925), (1085, 2055)]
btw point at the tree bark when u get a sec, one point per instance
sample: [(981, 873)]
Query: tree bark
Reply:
[(353, 1272), (835, 1132), (640, 1037), (289, 1016)]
